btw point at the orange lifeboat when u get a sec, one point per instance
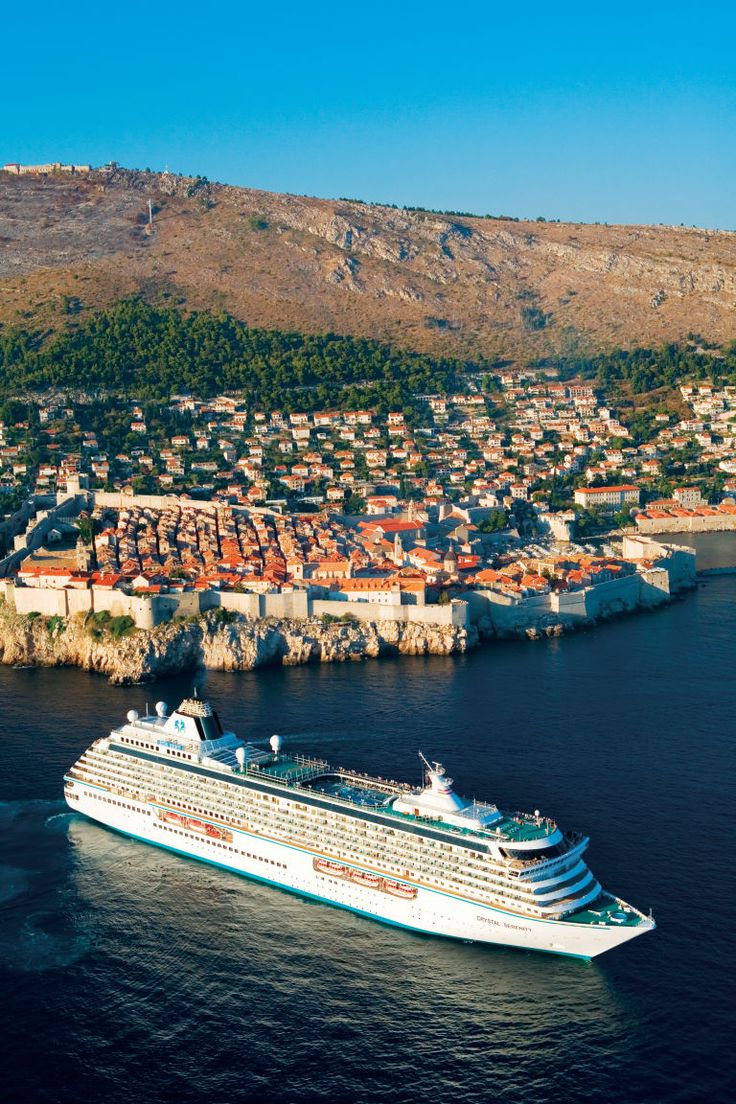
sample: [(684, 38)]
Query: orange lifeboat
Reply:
[(170, 817), (362, 877), (400, 889), (325, 866)]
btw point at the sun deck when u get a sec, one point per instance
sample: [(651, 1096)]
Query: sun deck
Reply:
[(357, 793), (519, 829), (296, 771), (363, 791), (379, 793), (608, 911)]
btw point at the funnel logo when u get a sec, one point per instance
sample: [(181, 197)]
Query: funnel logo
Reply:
[(179, 724)]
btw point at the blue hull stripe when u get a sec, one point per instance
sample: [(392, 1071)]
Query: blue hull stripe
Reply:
[(329, 901), (315, 854)]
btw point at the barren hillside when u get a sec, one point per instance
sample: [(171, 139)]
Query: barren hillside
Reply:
[(437, 283)]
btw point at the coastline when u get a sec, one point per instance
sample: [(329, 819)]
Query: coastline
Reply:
[(246, 644), (238, 644)]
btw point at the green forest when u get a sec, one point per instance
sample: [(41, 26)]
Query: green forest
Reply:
[(151, 353), (649, 369)]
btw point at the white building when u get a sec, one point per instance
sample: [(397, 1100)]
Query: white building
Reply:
[(607, 498), (689, 497)]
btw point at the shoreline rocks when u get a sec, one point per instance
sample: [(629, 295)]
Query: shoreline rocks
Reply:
[(234, 644), (237, 643)]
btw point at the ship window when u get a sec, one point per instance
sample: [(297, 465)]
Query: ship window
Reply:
[(541, 853)]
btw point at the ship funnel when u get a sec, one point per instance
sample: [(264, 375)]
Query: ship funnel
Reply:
[(276, 744)]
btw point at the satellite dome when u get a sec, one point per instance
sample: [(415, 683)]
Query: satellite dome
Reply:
[(240, 756), (132, 716), (161, 709), (276, 743)]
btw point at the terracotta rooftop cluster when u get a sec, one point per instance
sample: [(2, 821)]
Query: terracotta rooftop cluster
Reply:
[(523, 577), (218, 545)]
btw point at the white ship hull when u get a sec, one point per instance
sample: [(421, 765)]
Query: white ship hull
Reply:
[(292, 868)]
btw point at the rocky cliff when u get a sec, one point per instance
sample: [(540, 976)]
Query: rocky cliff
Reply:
[(239, 645), (449, 284)]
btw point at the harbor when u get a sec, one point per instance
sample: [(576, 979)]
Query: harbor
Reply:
[(563, 726)]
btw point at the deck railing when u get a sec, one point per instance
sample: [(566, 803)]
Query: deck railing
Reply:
[(304, 770)]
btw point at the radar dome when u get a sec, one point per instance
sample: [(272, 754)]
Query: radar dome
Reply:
[(132, 715), (161, 709), (276, 743), (240, 756)]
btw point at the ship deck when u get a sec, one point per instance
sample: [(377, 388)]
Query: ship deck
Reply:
[(358, 794), (368, 793), (292, 772), (362, 791), (608, 912), (521, 830)]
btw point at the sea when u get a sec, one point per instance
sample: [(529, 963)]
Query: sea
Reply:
[(132, 975)]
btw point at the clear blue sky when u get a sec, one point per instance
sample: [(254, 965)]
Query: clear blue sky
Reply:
[(610, 112)]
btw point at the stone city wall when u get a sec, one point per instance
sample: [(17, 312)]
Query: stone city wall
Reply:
[(117, 501), (711, 523), (39, 522), (150, 610), (66, 602), (507, 615), (679, 561), (455, 613)]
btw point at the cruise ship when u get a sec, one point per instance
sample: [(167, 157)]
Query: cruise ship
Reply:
[(422, 858)]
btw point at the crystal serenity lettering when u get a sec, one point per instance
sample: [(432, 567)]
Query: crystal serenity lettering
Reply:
[(502, 923)]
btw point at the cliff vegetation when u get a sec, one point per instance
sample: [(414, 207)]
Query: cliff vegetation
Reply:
[(231, 643)]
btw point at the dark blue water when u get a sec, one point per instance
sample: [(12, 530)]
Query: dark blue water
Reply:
[(131, 975)]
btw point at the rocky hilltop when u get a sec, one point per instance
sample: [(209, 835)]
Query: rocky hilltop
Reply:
[(241, 645), (437, 283)]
